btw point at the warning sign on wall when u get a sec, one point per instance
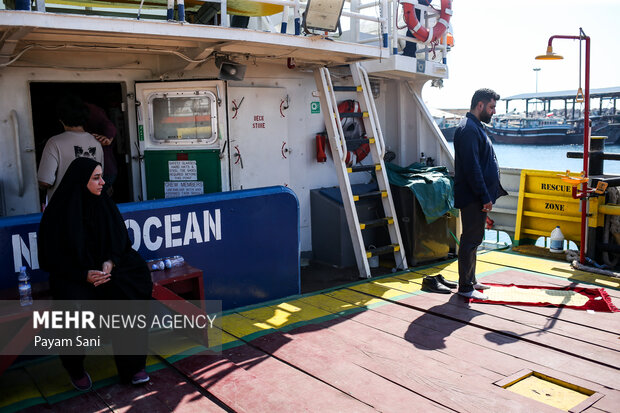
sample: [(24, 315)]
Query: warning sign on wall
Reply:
[(187, 188), (182, 170)]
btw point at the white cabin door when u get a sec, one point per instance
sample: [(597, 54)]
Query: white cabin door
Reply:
[(259, 147)]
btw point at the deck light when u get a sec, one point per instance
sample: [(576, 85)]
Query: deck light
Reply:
[(549, 55), (323, 15), (586, 129)]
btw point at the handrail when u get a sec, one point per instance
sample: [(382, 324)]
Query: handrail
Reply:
[(386, 14), (293, 3), (332, 109), (18, 156), (373, 111)]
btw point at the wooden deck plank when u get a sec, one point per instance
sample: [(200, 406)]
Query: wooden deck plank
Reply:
[(246, 379), (608, 339), (481, 267), (510, 275), (341, 367), (466, 315), (439, 356), (513, 343), (167, 391), (430, 339), (397, 360), (558, 268), (484, 350)]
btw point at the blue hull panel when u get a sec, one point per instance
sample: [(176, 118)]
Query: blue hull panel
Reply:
[(245, 242)]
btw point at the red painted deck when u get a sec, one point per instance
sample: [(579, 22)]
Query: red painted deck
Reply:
[(418, 352)]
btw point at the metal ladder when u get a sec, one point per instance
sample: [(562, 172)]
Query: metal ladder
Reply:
[(339, 151)]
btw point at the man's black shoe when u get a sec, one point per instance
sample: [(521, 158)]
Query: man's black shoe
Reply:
[(433, 285), (449, 284)]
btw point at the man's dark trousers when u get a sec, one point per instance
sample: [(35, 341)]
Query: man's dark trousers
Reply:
[(473, 220)]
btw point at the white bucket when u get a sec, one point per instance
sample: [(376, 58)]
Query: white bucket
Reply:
[(373, 262)]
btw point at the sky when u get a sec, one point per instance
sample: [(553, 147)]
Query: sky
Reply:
[(496, 42)]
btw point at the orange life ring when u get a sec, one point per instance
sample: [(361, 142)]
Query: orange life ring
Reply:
[(422, 33)]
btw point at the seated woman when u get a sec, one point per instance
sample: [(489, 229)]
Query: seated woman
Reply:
[(84, 245)]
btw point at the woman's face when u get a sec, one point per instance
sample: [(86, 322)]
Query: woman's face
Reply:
[(96, 182)]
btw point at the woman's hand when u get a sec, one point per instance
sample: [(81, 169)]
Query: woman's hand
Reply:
[(107, 267), (97, 277)]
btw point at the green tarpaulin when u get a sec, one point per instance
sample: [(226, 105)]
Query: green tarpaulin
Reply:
[(431, 185)]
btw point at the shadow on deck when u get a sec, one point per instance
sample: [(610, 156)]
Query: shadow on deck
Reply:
[(379, 344)]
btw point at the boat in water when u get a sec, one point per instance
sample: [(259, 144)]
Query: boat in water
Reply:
[(602, 125), (515, 129), (605, 121), (447, 122)]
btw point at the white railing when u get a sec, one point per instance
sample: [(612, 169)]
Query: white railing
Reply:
[(378, 22), (386, 14)]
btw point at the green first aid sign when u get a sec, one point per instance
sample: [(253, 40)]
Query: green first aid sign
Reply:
[(315, 107)]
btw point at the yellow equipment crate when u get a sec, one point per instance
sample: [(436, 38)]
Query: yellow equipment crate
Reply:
[(545, 201)]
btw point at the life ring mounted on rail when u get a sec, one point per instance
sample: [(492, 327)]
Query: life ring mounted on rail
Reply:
[(422, 33)]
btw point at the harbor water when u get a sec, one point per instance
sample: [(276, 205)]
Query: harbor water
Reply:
[(550, 158)]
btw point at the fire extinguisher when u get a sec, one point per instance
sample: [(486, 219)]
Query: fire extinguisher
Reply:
[(321, 156)]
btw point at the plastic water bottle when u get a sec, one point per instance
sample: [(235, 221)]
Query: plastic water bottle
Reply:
[(156, 265), (557, 240), (25, 289), (175, 261)]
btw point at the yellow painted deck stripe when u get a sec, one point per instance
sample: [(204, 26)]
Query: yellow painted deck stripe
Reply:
[(401, 284), (240, 326), (377, 290), (355, 298), (330, 304), (284, 314), (16, 386), (556, 268)]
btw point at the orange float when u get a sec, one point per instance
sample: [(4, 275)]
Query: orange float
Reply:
[(422, 33)]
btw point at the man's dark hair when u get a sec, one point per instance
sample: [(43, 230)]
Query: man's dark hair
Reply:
[(484, 96), (72, 111)]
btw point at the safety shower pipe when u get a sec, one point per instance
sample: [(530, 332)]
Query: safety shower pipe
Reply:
[(586, 139)]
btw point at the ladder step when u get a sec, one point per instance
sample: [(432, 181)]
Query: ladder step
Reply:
[(353, 115), (382, 250), (360, 141), (347, 89), (364, 168), (382, 194), (377, 223)]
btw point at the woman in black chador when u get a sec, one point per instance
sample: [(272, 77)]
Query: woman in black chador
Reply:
[(84, 245)]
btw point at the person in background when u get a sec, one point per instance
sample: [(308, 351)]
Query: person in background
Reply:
[(101, 127), (476, 186), (60, 150), (84, 245), (410, 47)]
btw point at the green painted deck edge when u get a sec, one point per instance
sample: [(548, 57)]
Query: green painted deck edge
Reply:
[(22, 404)]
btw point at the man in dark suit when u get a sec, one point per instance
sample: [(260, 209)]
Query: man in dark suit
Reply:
[(476, 185)]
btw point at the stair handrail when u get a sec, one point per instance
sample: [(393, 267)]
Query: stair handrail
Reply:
[(373, 110), (333, 110)]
